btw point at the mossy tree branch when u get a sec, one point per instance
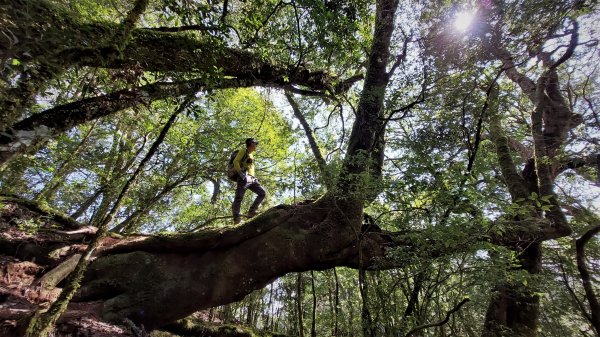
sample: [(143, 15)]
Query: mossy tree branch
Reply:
[(43, 209)]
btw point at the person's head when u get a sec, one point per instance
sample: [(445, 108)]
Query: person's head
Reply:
[(251, 144)]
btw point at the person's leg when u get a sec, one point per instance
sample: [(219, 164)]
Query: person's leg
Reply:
[(237, 201), (260, 196)]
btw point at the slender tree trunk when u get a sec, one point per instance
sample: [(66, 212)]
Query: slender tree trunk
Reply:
[(350, 313), (47, 193), (275, 322), (586, 278), (269, 314), (324, 171), (299, 298), (86, 204), (313, 327), (367, 321), (250, 308), (133, 219), (413, 301), (336, 328)]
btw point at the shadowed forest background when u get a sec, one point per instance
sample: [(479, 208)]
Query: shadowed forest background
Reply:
[(432, 168)]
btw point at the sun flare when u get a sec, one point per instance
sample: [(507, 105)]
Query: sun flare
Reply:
[(463, 20)]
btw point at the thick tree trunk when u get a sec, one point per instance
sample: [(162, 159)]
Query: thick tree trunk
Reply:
[(514, 307)]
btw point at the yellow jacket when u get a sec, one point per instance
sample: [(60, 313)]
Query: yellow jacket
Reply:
[(241, 164)]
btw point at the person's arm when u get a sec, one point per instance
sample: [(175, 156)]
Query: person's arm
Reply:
[(237, 161), (250, 167)]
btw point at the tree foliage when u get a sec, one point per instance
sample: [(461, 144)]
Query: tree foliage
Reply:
[(438, 164)]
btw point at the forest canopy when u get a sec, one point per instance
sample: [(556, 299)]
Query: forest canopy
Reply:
[(432, 168)]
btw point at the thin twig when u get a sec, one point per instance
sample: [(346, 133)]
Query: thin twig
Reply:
[(440, 323)]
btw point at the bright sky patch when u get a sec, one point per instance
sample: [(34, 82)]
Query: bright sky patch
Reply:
[(463, 20)]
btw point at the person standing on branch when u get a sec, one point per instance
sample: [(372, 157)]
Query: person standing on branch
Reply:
[(243, 167)]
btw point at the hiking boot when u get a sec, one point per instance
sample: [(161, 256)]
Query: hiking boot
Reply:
[(252, 214), (237, 220)]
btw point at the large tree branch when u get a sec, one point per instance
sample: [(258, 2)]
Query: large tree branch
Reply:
[(189, 269), (575, 163), (42, 209), (515, 183), (510, 68), (491, 40), (186, 272), (66, 41), (41, 127), (570, 48), (129, 23)]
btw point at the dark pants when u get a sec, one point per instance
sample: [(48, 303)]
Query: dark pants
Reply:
[(253, 185)]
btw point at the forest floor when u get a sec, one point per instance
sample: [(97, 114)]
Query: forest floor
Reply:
[(20, 296), (24, 234)]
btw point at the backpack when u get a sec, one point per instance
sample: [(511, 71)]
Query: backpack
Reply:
[(231, 173)]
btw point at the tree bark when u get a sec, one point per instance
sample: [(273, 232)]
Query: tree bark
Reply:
[(586, 279)]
